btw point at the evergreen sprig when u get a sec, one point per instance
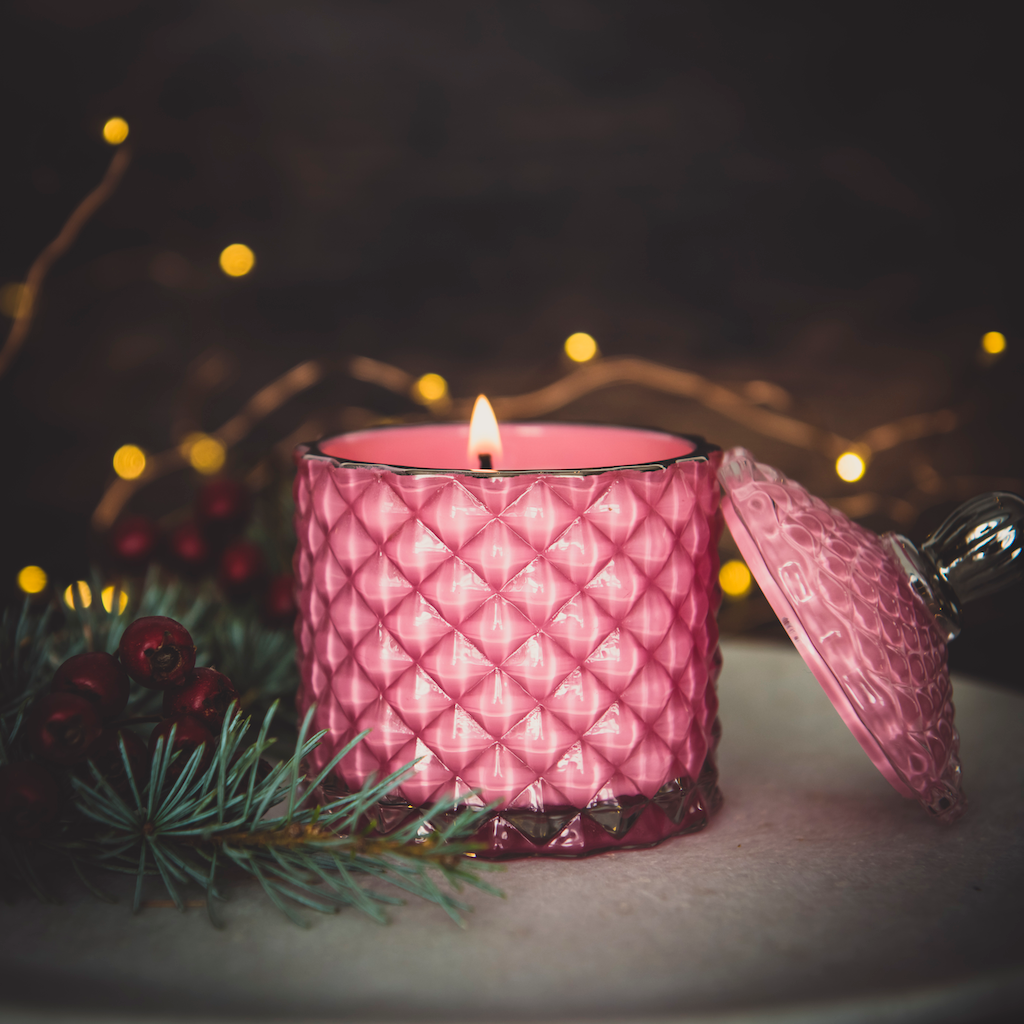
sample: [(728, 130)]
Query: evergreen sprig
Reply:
[(195, 824)]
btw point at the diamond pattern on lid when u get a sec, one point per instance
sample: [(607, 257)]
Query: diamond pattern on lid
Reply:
[(538, 515), (896, 704), (380, 653), (454, 515)]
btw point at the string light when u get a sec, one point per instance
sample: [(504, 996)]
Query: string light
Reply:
[(994, 343), (107, 597), (32, 579), (129, 462), (205, 454), (430, 389), (115, 131), (850, 467), (734, 579), (12, 295), (580, 347), (78, 595), (237, 260)]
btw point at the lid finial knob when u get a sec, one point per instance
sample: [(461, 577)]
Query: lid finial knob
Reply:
[(976, 552)]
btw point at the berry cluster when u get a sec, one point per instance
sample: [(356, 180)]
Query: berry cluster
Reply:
[(209, 542), (80, 720)]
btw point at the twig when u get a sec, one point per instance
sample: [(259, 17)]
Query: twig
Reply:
[(60, 245)]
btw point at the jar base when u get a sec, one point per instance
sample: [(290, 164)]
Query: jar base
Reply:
[(628, 823)]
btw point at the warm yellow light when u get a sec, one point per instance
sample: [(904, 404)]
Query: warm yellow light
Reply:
[(850, 467), (237, 260), (78, 595), (115, 131), (734, 579), (32, 579), (14, 300), (580, 347), (994, 343), (205, 454), (430, 388), (129, 462), (107, 597), (484, 435)]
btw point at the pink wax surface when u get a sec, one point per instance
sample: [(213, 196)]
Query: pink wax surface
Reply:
[(526, 446), (547, 639)]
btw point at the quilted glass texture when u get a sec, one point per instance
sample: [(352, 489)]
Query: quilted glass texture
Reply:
[(869, 639), (548, 640)]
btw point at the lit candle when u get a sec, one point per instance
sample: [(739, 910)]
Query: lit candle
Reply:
[(540, 629)]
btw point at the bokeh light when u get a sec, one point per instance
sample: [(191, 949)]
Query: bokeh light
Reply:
[(994, 343), (205, 454), (107, 597), (78, 595), (580, 347), (129, 462), (734, 579), (850, 467), (32, 579), (12, 295), (430, 388), (237, 260), (115, 131)]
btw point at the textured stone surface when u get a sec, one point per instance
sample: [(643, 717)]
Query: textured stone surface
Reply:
[(816, 887)]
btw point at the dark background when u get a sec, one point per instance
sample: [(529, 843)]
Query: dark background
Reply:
[(825, 197)]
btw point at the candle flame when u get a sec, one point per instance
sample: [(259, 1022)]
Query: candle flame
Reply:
[(484, 435)]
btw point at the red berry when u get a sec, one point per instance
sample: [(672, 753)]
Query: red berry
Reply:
[(279, 606), (63, 727), (222, 506), (133, 540), (189, 734), (157, 651), (242, 568), (205, 695), (97, 676), (29, 800), (190, 548)]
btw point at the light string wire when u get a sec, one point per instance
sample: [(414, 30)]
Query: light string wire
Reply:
[(80, 216), (606, 373)]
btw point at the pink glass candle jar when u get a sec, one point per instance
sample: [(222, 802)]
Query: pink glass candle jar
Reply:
[(543, 634)]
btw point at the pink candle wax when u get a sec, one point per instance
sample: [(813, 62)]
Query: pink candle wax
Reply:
[(544, 633)]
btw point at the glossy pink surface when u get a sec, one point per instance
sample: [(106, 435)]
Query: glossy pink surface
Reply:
[(548, 639), (869, 639), (547, 446)]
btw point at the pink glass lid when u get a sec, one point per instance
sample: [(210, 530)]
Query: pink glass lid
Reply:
[(852, 613)]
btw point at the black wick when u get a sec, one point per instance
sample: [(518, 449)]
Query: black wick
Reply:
[(485, 462)]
